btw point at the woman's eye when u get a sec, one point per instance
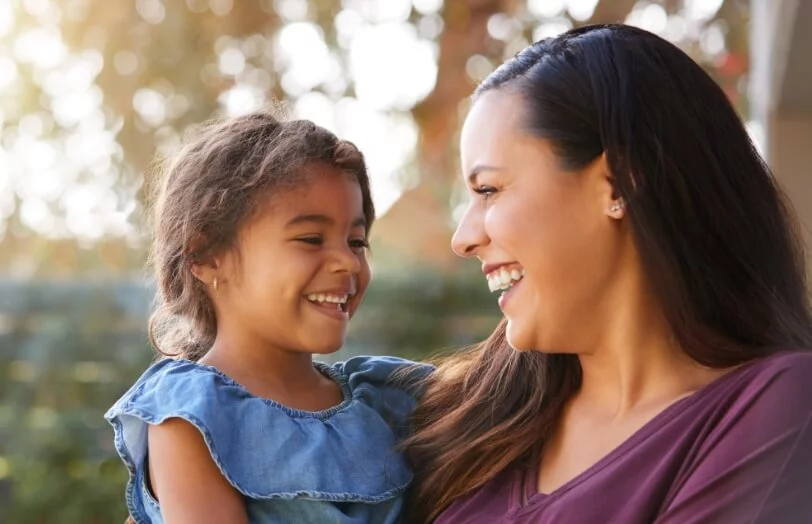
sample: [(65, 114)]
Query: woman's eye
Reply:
[(485, 191)]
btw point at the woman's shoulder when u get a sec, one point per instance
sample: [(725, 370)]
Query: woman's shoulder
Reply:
[(789, 359), (786, 373), (773, 393), (748, 437)]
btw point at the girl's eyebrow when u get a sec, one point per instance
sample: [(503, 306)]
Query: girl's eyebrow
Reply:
[(312, 218)]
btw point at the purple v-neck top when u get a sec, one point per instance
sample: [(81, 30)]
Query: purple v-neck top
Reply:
[(737, 451)]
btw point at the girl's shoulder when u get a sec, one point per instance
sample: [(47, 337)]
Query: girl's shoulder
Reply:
[(390, 386), (170, 386), (174, 386), (384, 371), (248, 436)]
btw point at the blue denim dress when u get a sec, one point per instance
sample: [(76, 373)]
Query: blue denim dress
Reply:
[(334, 466)]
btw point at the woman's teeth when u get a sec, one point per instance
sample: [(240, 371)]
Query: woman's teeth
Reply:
[(503, 279), (340, 301)]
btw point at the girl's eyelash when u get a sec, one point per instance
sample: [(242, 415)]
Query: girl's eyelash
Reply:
[(316, 241), (362, 243)]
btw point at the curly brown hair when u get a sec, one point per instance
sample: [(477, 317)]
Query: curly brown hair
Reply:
[(209, 190)]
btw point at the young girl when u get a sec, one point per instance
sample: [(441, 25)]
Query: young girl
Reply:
[(261, 260)]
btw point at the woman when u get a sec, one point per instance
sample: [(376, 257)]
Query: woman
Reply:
[(652, 365)]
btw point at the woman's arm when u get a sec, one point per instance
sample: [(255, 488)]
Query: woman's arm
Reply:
[(186, 480)]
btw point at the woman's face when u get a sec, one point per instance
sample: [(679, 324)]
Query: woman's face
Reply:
[(549, 240)]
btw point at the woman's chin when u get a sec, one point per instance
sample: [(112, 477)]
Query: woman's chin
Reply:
[(519, 339)]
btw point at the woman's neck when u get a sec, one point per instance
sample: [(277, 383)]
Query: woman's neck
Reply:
[(631, 375), (634, 363)]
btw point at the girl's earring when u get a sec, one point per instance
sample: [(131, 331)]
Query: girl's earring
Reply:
[(215, 284)]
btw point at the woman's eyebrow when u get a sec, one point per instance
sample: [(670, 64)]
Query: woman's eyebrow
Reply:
[(479, 168)]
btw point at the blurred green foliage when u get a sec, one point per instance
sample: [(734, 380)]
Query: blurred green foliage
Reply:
[(66, 352)]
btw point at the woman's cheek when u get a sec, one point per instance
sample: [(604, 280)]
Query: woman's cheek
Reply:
[(504, 223)]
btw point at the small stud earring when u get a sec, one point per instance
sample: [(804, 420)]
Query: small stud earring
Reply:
[(616, 206), (215, 284)]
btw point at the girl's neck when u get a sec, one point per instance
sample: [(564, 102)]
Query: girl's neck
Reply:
[(287, 377)]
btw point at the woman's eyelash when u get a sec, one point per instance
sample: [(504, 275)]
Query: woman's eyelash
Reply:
[(485, 191)]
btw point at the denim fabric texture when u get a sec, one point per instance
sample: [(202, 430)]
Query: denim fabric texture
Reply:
[(337, 466)]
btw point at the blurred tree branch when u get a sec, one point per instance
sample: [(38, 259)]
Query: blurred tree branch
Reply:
[(610, 12), (417, 227), (178, 59)]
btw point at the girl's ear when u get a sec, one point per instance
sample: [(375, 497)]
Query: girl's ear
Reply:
[(205, 273), (205, 268)]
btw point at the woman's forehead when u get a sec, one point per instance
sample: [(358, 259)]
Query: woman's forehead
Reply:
[(493, 118)]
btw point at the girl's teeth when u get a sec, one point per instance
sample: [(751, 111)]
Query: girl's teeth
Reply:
[(333, 299), (515, 274)]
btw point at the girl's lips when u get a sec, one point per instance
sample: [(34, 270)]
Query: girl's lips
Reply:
[(330, 309)]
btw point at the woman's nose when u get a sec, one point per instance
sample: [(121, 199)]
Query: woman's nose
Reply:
[(470, 234)]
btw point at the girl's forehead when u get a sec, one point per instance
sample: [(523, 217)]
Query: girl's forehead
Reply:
[(328, 193)]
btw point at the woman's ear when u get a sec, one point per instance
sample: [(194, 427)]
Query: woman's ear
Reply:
[(617, 209), (607, 198), (610, 200)]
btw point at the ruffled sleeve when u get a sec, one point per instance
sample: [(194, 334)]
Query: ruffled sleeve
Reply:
[(268, 451), (390, 385)]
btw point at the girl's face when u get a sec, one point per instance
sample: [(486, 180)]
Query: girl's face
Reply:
[(300, 267), (548, 238)]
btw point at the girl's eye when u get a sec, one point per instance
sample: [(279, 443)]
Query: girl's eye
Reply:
[(313, 241), (359, 243), (356, 243), (485, 191)]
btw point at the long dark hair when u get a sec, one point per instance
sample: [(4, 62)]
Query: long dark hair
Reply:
[(715, 234)]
